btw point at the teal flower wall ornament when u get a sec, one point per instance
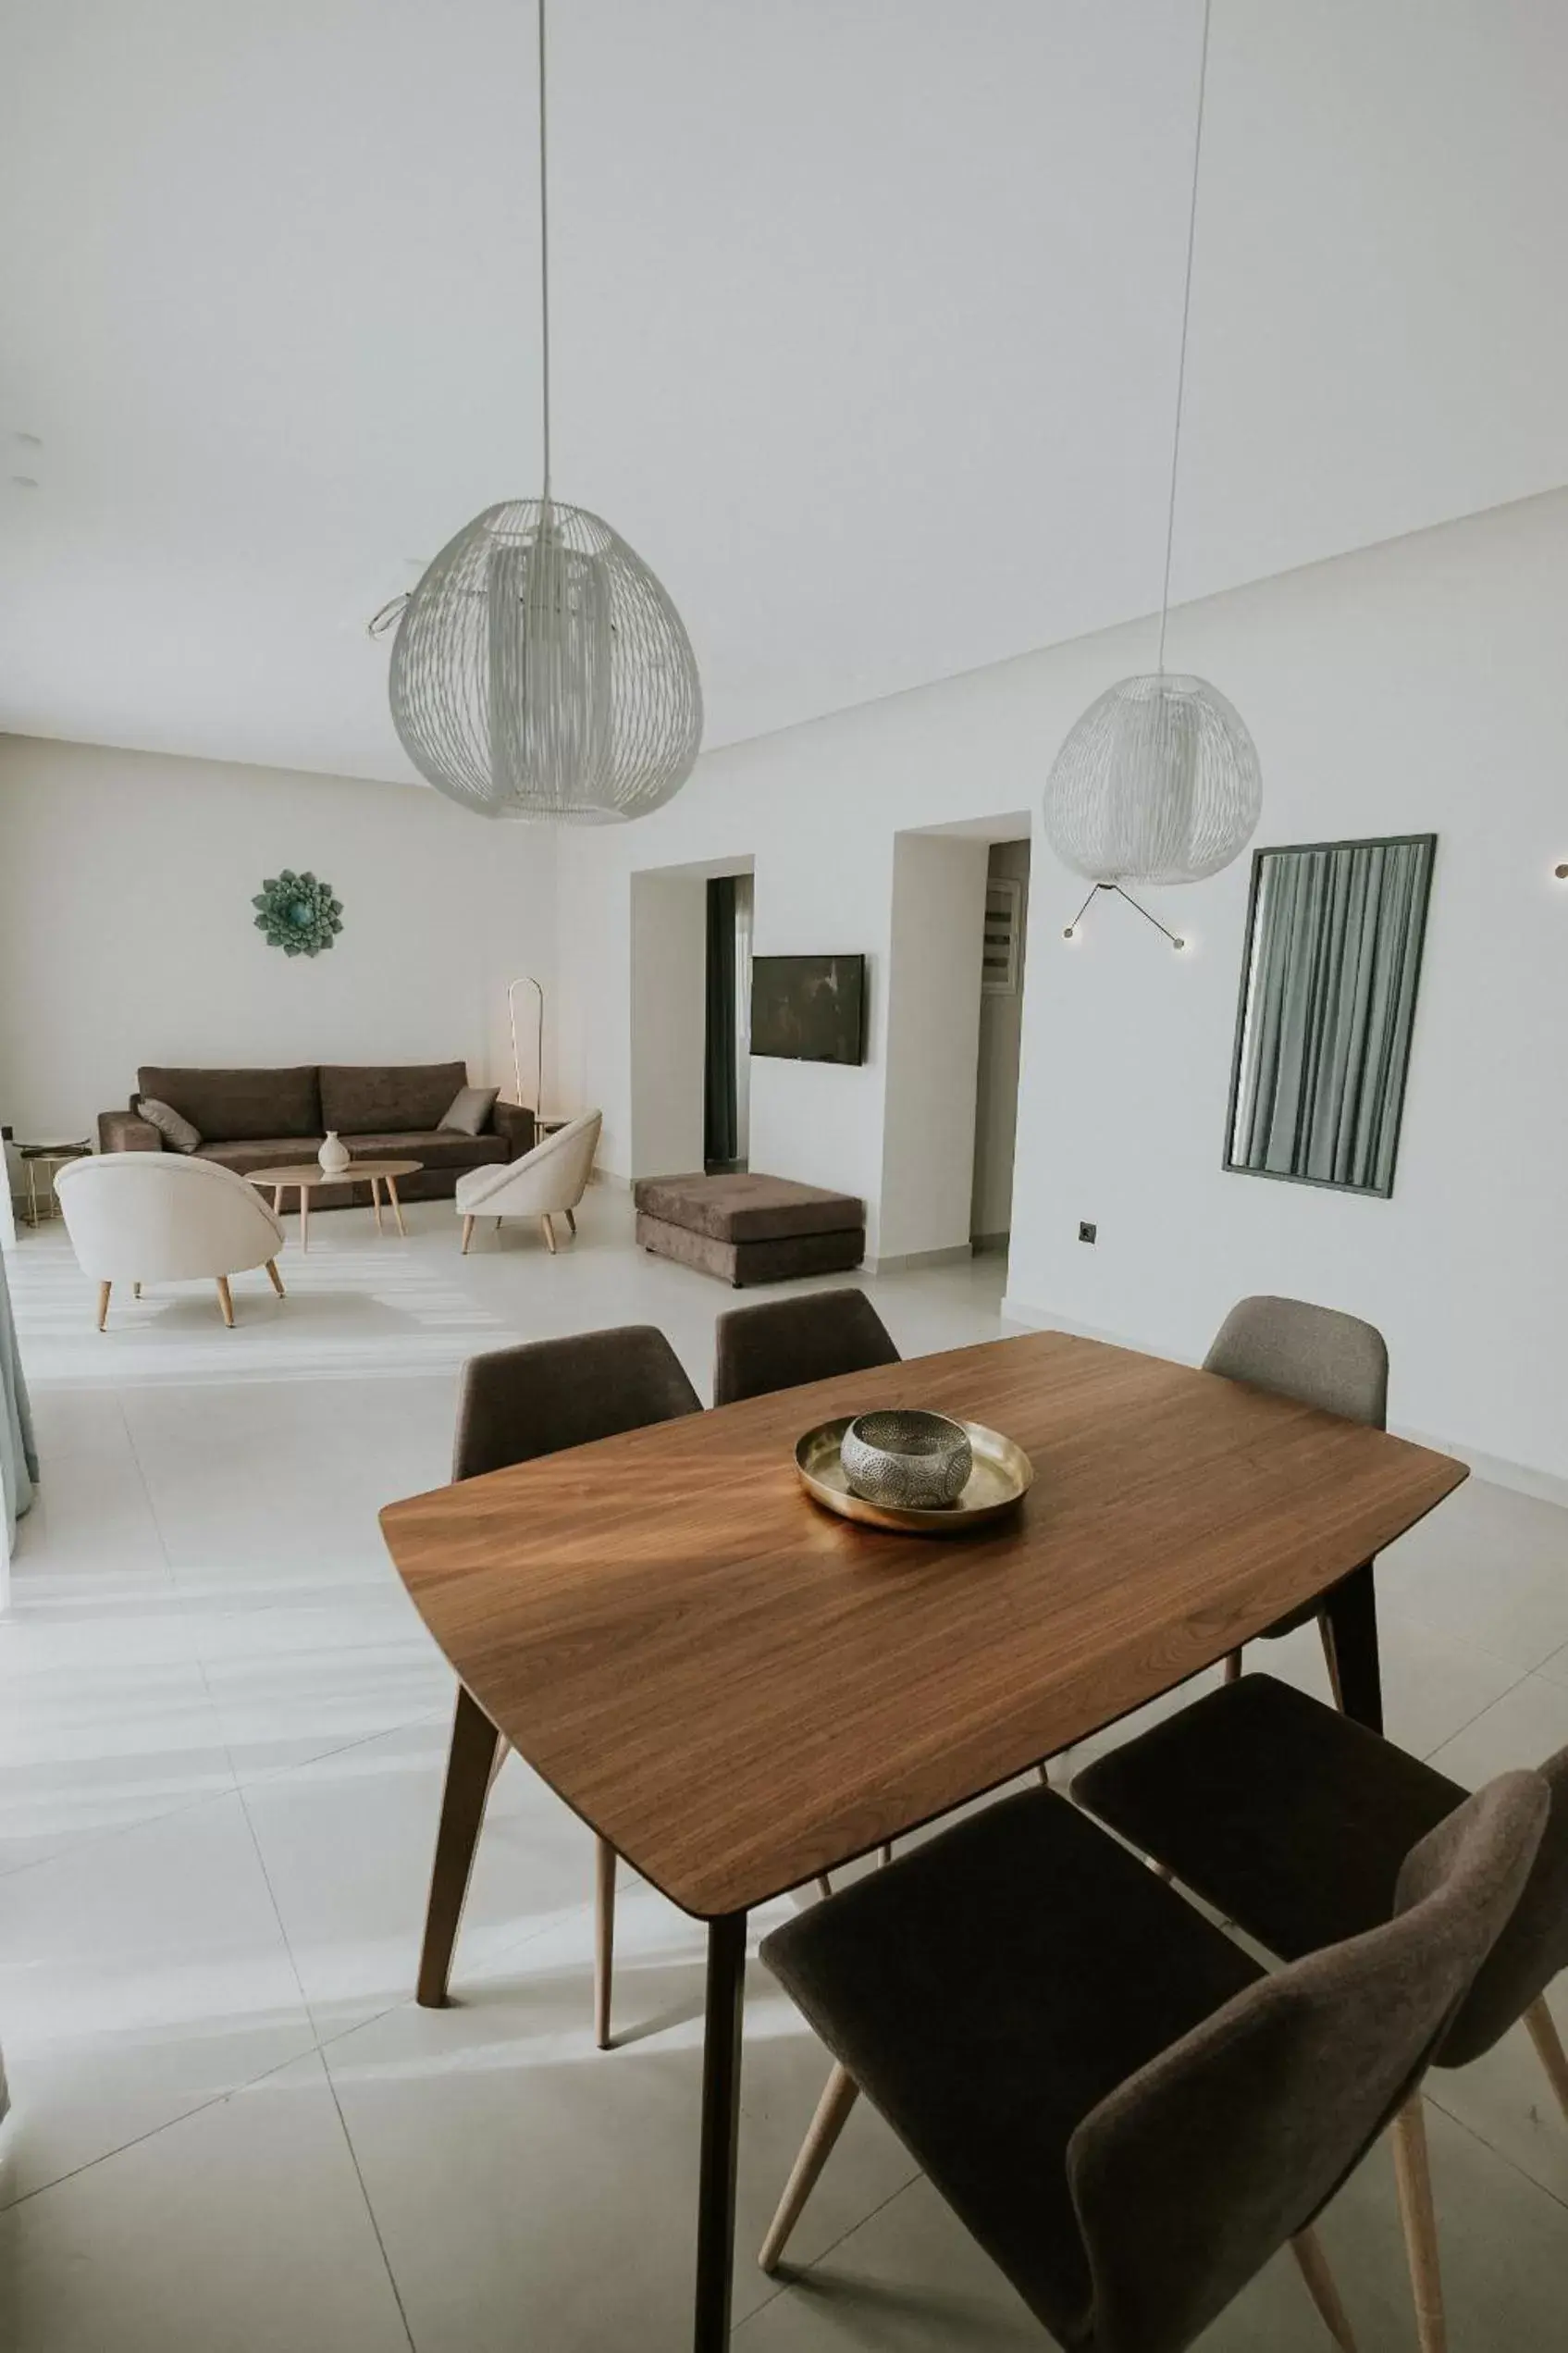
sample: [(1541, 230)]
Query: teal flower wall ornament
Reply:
[(297, 914)]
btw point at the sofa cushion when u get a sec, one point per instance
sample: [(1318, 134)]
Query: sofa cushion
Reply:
[(436, 1148), (375, 1098), (471, 1111), (172, 1124), (746, 1209), (261, 1151), (233, 1105)]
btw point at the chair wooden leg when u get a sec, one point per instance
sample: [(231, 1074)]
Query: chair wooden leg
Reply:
[(136, 1291), (104, 1290), (604, 1938), (226, 1300), (885, 1855), (274, 1276), (470, 1768), (572, 1223), (1307, 2249), (1548, 2044), (1413, 2175), (499, 1222), (824, 1885), (1233, 1667), (550, 1234), (832, 2114), (1331, 1660), (467, 1234)]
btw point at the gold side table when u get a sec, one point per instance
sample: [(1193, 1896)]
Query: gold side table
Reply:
[(48, 1158)]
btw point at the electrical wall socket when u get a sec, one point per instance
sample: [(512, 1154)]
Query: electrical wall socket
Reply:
[(1087, 1232)]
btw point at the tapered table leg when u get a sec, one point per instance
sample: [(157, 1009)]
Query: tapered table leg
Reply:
[(1350, 1609), (469, 1763), (391, 1185), (721, 2131)]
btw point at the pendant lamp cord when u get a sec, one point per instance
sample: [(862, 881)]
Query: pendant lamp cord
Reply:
[(1186, 314), (544, 256)]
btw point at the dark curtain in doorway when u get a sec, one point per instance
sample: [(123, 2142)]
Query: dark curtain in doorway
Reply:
[(720, 1110)]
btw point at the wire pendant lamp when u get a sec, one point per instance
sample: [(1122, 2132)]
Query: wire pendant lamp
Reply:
[(540, 668), (1159, 782)]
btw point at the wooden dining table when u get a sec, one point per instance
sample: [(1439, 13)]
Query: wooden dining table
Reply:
[(740, 1690)]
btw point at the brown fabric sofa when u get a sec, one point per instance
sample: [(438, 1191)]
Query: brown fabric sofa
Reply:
[(263, 1118)]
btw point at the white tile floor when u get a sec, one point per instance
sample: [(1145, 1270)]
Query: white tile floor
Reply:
[(221, 1738)]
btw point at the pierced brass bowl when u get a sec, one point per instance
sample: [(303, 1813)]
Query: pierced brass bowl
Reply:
[(1000, 1476), (910, 1459)]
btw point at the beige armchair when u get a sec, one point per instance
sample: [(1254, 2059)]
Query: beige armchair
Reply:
[(158, 1217), (547, 1183)]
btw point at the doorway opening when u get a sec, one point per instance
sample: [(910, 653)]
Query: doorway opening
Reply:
[(1001, 1034), (726, 1079)]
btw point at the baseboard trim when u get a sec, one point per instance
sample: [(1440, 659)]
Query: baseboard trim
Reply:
[(1524, 1479), (608, 1178), (904, 1262)]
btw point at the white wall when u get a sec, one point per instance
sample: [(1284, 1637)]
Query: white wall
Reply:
[(933, 1041), (126, 932), (1414, 686), (997, 1088)]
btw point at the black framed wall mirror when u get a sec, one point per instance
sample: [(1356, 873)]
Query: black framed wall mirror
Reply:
[(1329, 968)]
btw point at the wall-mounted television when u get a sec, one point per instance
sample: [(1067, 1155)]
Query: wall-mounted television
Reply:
[(809, 1008)]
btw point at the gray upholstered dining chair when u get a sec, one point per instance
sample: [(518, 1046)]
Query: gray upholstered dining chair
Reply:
[(1129, 2114), (1295, 1823), (784, 1343), (1321, 1357), (516, 1404)]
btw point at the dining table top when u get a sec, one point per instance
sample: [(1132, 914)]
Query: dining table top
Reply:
[(739, 1690)]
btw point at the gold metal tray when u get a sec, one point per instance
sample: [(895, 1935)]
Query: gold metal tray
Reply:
[(1001, 1477)]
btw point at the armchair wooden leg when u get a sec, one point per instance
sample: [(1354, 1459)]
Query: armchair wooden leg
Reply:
[(1307, 2249), (604, 1938), (1413, 2175), (225, 1300), (572, 1223), (550, 1234), (273, 1275), (104, 1291), (1543, 2032), (467, 1234), (832, 2114)]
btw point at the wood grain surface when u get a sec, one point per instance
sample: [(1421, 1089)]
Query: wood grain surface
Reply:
[(739, 1690)]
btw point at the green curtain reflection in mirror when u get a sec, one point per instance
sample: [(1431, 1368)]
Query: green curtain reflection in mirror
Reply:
[(1333, 954)]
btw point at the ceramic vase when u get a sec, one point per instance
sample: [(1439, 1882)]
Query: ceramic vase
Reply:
[(334, 1154)]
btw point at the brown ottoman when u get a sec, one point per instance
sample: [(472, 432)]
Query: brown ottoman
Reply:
[(750, 1229)]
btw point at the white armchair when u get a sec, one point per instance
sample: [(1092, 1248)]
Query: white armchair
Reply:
[(547, 1183), (158, 1217)]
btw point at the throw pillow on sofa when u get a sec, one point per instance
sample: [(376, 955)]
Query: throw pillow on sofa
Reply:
[(470, 1110), (172, 1125)]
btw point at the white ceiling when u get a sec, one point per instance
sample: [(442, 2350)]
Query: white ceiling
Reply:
[(866, 325)]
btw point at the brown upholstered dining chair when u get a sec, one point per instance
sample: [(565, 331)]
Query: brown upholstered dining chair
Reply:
[(517, 1403), (1322, 1357), (784, 1343), (1296, 1823), (1129, 2116)]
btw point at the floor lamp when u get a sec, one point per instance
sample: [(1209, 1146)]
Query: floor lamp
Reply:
[(528, 981)]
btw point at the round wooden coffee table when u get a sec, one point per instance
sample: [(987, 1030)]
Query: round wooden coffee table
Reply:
[(309, 1174)]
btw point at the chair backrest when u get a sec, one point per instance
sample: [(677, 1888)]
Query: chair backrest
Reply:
[(1195, 2171), (1532, 1948), (517, 1403), (1318, 1355), (569, 1153), (156, 1217), (785, 1342)]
